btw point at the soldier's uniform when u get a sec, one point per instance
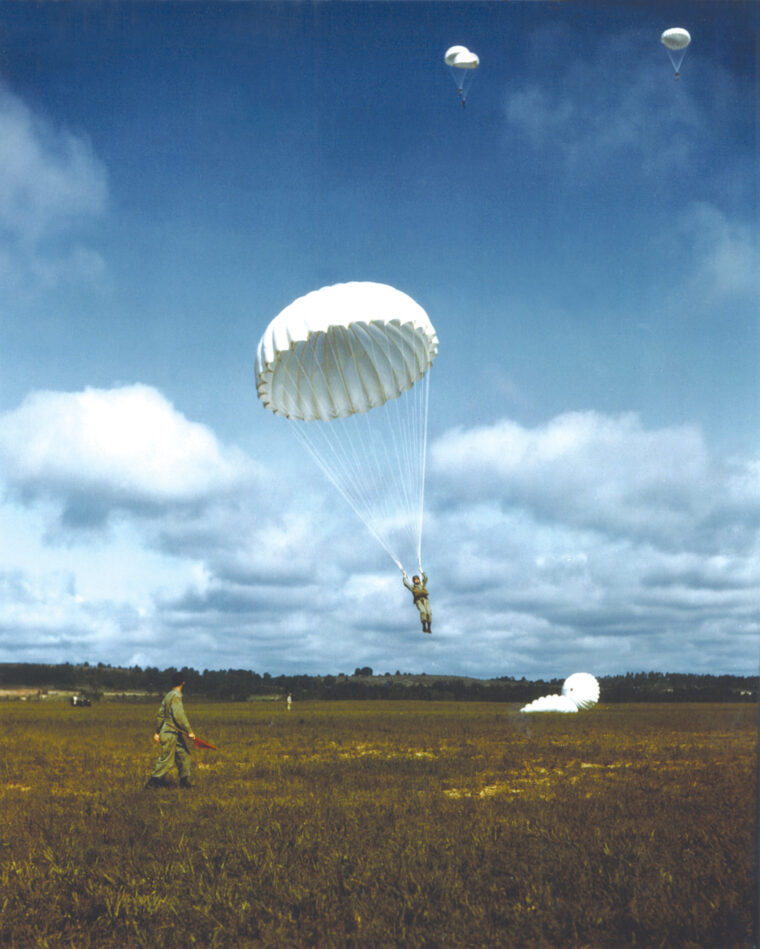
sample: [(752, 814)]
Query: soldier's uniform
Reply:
[(172, 728), (420, 594)]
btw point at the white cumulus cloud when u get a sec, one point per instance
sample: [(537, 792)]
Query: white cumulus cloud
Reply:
[(587, 542), (584, 469), (125, 448)]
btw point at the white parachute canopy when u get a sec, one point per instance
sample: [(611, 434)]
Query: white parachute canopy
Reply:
[(579, 691), (551, 703), (461, 63), (582, 688), (349, 365), (675, 41)]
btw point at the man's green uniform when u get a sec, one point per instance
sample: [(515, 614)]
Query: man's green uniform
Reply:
[(420, 594), (172, 726)]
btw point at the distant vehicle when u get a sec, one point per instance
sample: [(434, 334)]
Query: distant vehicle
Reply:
[(81, 701)]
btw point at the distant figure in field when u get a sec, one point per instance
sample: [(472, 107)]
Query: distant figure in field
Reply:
[(419, 592), (172, 728), (289, 701)]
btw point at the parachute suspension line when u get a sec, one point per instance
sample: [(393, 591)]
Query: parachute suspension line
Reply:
[(390, 463), (676, 58), (375, 459), (376, 447), (409, 427), (423, 461), (350, 454), (340, 462), (300, 434), (357, 464), (462, 80), (416, 443), (402, 435), (396, 417)]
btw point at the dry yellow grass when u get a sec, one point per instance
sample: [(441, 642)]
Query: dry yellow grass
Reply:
[(381, 824)]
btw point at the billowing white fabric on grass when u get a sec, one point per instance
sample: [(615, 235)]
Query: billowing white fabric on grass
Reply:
[(579, 691), (582, 688)]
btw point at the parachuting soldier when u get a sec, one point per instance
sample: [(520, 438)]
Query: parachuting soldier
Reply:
[(172, 727), (419, 591)]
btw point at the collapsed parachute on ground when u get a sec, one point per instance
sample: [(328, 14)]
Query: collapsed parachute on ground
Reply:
[(582, 688), (461, 63), (675, 41), (551, 703), (579, 691), (348, 365)]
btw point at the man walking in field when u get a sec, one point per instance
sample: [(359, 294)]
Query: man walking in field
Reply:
[(419, 592), (172, 728)]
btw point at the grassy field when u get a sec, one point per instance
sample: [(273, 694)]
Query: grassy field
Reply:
[(381, 824)]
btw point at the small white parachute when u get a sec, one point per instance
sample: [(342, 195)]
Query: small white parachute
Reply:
[(461, 62), (675, 41), (579, 691)]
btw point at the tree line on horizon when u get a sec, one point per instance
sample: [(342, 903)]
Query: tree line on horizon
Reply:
[(239, 685)]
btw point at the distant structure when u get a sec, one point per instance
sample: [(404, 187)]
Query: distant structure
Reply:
[(580, 691), (81, 701)]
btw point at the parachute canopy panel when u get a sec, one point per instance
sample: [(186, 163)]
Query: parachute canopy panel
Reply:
[(343, 350), (676, 38), (452, 52), (551, 703), (461, 58)]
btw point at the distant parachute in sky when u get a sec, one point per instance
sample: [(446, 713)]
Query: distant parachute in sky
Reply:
[(349, 365), (675, 41), (461, 63), (579, 691)]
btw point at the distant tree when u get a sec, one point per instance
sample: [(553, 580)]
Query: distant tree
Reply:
[(364, 671)]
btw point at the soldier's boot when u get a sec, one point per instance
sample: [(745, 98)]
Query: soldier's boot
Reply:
[(185, 783), (152, 783)]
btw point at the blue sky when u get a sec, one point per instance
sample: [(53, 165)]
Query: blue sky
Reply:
[(584, 237)]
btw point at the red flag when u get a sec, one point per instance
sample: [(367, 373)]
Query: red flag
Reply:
[(200, 743)]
